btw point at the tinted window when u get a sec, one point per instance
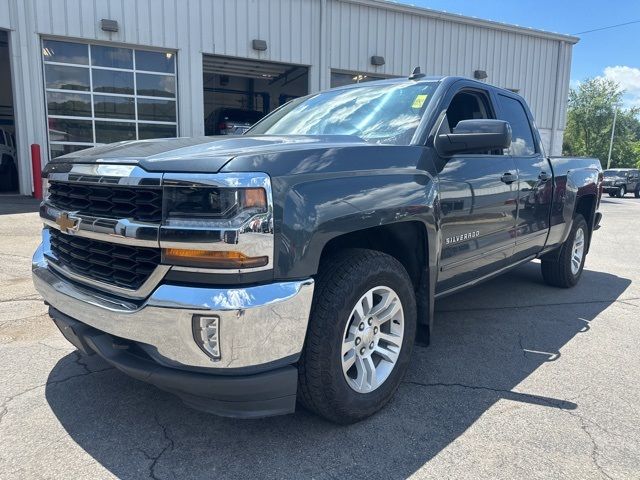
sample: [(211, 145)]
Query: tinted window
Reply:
[(148, 130), (65, 52), (155, 61), (113, 81), (63, 77), (69, 104), (102, 56), (521, 136), (152, 85)]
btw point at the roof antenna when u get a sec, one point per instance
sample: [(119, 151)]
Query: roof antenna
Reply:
[(416, 74)]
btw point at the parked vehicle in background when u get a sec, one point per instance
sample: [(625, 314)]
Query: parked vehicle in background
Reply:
[(620, 181), (231, 121), (8, 162), (300, 260)]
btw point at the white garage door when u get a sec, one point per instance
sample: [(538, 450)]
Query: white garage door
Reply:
[(99, 94)]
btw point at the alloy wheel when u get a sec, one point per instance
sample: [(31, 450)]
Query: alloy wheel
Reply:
[(372, 339)]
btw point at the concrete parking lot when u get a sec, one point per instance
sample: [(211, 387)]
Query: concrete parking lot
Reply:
[(521, 381)]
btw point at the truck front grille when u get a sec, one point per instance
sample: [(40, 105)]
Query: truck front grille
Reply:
[(112, 201), (119, 265)]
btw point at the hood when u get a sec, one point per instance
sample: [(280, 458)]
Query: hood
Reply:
[(200, 154)]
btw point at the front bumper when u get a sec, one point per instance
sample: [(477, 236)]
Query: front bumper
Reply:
[(261, 329), (243, 396), (259, 325), (611, 188)]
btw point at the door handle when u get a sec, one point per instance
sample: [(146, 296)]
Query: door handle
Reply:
[(544, 176), (509, 178)]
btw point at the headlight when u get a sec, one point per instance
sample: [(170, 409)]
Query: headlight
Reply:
[(212, 206), (218, 225)]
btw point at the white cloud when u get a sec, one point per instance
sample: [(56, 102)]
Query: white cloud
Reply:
[(629, 80)]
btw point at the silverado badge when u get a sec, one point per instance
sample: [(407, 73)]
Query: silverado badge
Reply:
[(68, 224), (462, 237)]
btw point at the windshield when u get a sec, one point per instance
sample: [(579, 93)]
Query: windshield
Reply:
[(382, 113), (613, 173)]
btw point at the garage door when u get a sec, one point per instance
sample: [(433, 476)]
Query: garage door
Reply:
[(99, 94)]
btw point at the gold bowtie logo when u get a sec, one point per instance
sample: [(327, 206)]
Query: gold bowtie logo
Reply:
[(67, 224)]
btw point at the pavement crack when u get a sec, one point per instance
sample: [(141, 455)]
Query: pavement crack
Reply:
[(563, 405), (595, 450), (22, 299), (524, 352), (4, 406), (155, 459)]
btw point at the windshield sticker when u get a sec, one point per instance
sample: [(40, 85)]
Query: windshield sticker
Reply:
[(419, 101)]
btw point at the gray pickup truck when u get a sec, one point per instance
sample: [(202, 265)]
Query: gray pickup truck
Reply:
[(301, 261)]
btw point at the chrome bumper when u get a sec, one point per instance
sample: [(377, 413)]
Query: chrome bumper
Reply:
[(258, 325)]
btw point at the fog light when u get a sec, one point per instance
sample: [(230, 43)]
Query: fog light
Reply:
[(206, 332)]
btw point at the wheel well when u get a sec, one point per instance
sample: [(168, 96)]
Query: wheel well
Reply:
[(586, 208), (405, 241)]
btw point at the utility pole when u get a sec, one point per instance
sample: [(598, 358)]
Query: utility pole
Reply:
[(613, 132)]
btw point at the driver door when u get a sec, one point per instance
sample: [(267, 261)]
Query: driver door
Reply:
[(478, 200)]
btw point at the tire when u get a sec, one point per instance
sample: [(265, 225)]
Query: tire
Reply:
[(622, 191), (560, 273), (611, 194), (344, 280), (637, 192)]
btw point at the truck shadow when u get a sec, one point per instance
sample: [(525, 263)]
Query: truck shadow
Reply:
[(487, 341)]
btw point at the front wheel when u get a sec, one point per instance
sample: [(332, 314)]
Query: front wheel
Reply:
[(637, 192), (567, 269), (622, 191), (360, 336)]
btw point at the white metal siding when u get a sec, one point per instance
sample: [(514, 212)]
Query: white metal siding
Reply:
[(512, 60), (323, 34)]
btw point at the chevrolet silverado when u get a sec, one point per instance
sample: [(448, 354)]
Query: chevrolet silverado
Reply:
[(301, 261)]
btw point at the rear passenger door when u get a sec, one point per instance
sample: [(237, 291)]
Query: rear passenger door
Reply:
[(535, 182), (478, 195)]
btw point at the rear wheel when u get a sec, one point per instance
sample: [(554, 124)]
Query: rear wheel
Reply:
[(565, 272), (361, 332)]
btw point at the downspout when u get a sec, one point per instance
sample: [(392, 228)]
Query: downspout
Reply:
[(555, 114), (322, 64)]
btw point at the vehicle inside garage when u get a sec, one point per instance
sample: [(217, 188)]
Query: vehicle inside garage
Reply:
[(239, 92), (8, 154)]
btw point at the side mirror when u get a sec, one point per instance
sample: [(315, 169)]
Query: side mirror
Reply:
[(474, 136)]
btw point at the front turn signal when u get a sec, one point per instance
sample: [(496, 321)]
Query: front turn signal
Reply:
[(211, 259)]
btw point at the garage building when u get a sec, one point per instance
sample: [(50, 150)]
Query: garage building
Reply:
[(77, 73)]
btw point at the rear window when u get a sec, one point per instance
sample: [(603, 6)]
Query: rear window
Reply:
[(513, 111)]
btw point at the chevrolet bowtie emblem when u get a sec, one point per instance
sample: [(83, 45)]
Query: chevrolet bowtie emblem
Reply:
[(68, 224)]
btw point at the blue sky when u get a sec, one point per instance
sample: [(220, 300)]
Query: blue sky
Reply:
[(613, 53)]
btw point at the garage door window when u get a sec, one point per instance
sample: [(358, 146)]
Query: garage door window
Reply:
[(97, 94)]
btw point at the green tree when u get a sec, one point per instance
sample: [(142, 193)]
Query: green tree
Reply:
[(590, 119)]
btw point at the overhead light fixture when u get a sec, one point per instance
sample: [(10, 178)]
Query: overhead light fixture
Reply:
[(109, 25), (260, 45), (377, 60), (480, 74)]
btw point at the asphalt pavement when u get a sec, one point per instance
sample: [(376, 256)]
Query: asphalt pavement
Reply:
[(521, 380)]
